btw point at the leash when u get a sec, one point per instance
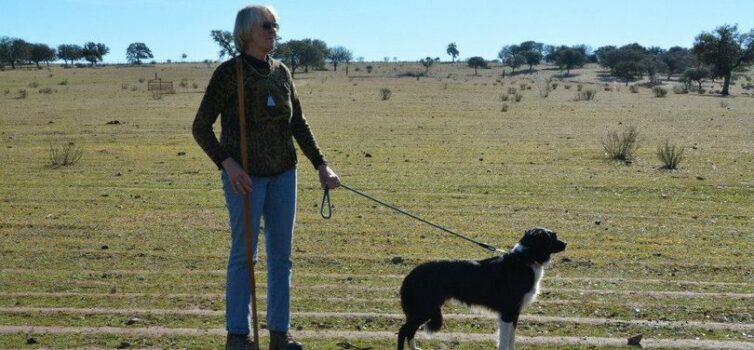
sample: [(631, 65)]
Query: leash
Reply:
[(326, 202)]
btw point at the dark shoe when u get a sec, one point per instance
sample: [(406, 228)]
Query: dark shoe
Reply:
[(283, 341), (239, 342)]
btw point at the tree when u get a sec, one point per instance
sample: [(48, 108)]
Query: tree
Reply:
[(93, 52), (14, 50), (452, 50), (306, 53), (628, 71), (477, 62), (183, 56), (677, 59), (607, 56), (569, 58), (697, 74), (138, 51), (339, 54), (41, 52), (70, 52), (224, 38), (511, 56), (532, 52), (428, 62), (725, 50)]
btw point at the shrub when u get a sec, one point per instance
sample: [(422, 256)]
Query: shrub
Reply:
[(47, 90), (33, 85), (555, 86), (369, 69), (586, 95), (634, 89), (669, 155), (183, 83), (504, 97), (6, 91), (141, 80), (134, 88), (505, 107), (63, 83), (66, 155), (579, 87), (660, 91), (567, 86), (385, 94), (22, 93), (512, 90), (621, 147), (195, 85), (518, 97), (680, 90)]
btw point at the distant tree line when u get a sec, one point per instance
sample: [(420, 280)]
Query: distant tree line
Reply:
[(15, 51)]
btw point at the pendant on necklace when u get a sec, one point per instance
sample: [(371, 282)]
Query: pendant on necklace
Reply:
[(270, 101)]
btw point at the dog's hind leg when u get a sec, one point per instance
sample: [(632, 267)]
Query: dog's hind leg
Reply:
[(407, 333)]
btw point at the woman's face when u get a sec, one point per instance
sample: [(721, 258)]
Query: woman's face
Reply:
[(263, 35)]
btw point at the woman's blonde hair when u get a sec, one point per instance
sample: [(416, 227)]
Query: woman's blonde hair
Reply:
[(248, 18)]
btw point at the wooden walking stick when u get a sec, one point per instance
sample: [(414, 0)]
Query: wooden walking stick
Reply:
[(246, 202)]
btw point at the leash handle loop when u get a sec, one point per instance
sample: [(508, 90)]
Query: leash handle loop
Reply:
[(326, 200)]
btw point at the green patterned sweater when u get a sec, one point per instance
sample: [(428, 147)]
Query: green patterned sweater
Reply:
[(273, 119)]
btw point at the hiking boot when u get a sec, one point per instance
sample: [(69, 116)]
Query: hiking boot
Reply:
[(283, 341), (239, 342)]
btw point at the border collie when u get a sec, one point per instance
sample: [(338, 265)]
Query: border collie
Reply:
[(503, 284)]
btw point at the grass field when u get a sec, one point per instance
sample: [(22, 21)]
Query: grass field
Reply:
[(138, 227)]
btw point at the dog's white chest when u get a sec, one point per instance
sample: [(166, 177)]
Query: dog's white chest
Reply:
[(532, 295)]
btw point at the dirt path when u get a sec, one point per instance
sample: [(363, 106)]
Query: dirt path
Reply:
[(744, 327), (354, 335), (655, 294), (383, 276)]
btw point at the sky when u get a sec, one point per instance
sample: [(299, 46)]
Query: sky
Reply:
[(405, 29)]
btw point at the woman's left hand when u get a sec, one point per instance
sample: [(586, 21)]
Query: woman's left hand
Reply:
[(327, 177)]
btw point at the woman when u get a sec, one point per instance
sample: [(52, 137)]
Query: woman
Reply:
[(273, 119)]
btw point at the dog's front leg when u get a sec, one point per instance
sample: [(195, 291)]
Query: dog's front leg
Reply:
[(506, 335)]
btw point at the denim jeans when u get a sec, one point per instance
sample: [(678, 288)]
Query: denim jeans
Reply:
[(273, 198)]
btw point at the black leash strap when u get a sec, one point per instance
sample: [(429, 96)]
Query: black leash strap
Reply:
[(326, 198)]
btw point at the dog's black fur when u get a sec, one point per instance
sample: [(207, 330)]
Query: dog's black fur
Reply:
[(500, 284)]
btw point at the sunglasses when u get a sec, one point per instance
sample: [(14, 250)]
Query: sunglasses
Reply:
[(270, 25)]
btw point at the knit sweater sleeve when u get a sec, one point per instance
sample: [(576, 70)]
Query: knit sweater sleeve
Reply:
[(301, 130), (213, 103)]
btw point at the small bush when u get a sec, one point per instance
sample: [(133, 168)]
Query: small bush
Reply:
[(66, 155), (701, 91), (6, 91), (385, 94), (33, 85), (63, 83), (586, 95), (555, 86), (504, 97), (124, 86), (512, 90), (195, 85), (134, 88), (567, 86), (505, 107), (660, 91), (680, 90), (518, 97), (522, 86), (579, 87), (156, 95), (369, 69), (183, 83), (141, 80), (634, 89), (47, 90), (22, 93), (621, 147), (669, 155)]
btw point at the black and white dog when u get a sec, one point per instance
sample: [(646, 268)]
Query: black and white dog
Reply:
[(503, 284)]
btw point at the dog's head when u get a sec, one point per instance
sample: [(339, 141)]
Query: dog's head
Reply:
[(538, 243)]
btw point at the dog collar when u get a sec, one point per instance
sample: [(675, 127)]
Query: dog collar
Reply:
[(520, 251)]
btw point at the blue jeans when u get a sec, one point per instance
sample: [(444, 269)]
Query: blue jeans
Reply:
[(275, 199)]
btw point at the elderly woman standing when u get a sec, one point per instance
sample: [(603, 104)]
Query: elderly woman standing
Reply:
[(273, 119)]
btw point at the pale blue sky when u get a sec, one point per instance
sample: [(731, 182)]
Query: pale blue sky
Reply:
[(406, 29)]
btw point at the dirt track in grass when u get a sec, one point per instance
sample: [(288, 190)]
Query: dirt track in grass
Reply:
[(339, 335)]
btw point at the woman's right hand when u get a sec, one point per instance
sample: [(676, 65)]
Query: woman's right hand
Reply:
[(239, 179)]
